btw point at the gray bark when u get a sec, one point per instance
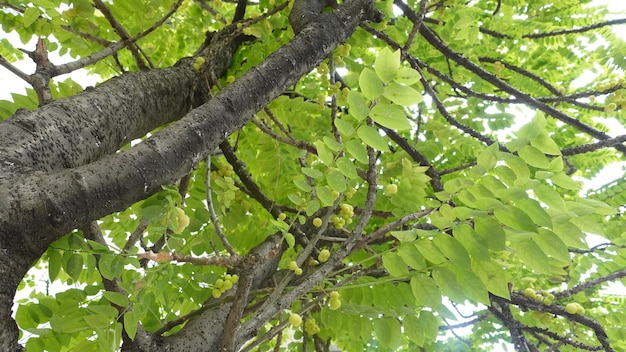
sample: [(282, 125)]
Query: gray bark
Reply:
[(59, 169)]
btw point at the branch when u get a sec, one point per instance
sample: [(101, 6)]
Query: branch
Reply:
[(119, 29), (430, 36)]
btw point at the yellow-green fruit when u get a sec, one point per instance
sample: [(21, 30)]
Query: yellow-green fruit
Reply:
[(334, 295), (580, 310), (547, 301), (282, 216), (529, 293), (230, 79), (324, 255), (234, 279), (293, 265), (335, 304), (317, 222), (391, 189), (298, 271), (219, 283), (216, 293), (311, 327), (228, 285), (572, 308), (295, 319), (197, 65), (182, 219)]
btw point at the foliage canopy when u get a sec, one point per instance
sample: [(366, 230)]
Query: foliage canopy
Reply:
[(422, 186)]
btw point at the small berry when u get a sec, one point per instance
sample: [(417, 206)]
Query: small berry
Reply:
[(295, 319)]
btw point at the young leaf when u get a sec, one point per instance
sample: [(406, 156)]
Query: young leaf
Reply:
[(402, 95), (387, 64), (370, 85), (371, 137), (390, 116)]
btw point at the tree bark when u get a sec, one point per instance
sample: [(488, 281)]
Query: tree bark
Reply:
[(59, 169)]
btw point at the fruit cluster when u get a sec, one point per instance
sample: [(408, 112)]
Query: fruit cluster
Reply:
[(346, 213), (293, 266), (224, 170), (311, 327), (574, 308), (222, 285), (545, 297), (182, 220)]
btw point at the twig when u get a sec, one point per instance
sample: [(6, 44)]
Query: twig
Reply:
[(119, 29), (214, 219)]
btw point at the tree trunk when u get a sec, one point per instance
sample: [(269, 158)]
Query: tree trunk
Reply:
[(60, 170)]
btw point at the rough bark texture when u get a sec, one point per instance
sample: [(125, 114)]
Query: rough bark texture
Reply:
[(59, 169)]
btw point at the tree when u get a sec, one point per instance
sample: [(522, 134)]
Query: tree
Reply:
[(389, 175)]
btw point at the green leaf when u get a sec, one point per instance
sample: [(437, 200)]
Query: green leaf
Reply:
[(413, 329), (404, 236), (402, 95), (358, 105), (111, 266), (452, 249), (494, 277), (336, 180), (390, 116), (312, 206), (477, 241), (387, 64), (552, 245), (347, 168), (302, 185), (324, 153), (533, 209), (98, 321), (471, 284), (394, 264), (30, 16), (534, 157), (325, 195), (531, 255), (73, 264), (519, 166), (448, 284), (55, 260), (388, 332), (564, 181), (429, 251), (429, 325), (116, 298), (371, 137), (488, 157), (411, 256), (426, 292), (515, 218), (534, 128), (407, 76), (344, 127), (332, 144), (550, 197), (357, 150), (545, 144), (370, 85), (312, 173), (131, 321)]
